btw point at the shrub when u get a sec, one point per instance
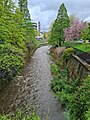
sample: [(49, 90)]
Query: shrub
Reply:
[(54, 69), (20, 116), (73, 95), (56, 84), (80, 102), (11, 61), (64, 97), (87, 115), (67, 54), (15, 35)]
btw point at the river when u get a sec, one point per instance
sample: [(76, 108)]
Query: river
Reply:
[(31, 91)]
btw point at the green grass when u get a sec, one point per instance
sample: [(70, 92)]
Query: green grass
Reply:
[(84, 47), (81, 46)]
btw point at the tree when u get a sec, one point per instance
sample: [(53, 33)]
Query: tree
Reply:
[(8, 6), (29, 33), (15, 33), (74, 31), (12, 45), (85, 34), (62, 21), (23, 5)]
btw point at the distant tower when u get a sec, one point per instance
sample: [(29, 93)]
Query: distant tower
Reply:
[(38, 26)]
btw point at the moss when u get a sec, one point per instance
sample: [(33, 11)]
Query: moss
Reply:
[(67, 54)]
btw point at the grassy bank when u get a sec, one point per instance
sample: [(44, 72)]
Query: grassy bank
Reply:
[(84, 47), (81, 46), (73, 94), (19, 116)]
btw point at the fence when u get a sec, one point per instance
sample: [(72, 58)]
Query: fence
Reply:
[(83, 55)]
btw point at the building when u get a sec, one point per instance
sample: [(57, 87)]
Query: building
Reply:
[(36, 25)]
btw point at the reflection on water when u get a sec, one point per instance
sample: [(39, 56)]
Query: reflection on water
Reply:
[(31, 91)]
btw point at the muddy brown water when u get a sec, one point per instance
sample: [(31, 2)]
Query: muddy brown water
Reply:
[(31, 91)]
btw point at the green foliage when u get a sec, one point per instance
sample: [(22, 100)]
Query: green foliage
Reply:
[(29, 30), (85, 34), (62, 87), (62, 21), (81, 46), (30, 33), (75, 96), (15, 34), (80, 102), (11, 61), (20, 116), (87, 115), (67, 54), (54, 69), (23, 5), (58, 81)]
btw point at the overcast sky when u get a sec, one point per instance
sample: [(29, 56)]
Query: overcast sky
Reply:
[(46, 11)]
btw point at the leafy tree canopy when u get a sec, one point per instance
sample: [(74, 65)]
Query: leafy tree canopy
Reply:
[(15, 34), (62, 21)]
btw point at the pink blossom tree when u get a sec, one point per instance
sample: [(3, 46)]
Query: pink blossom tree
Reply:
[(74, 31)]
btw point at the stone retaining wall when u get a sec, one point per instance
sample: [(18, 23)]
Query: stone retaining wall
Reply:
[(78, 68)]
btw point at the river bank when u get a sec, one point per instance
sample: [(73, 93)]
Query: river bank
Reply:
[(72, 92), (31, 91)]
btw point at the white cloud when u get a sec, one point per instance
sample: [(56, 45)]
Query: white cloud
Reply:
[(45, 11), (87, 19)]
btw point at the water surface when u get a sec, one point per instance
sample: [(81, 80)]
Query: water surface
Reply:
[(31, 91)]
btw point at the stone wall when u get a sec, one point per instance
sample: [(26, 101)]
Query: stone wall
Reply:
[(78, 68)]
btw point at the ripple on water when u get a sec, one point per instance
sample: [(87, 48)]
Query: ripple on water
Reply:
[(32, 91)]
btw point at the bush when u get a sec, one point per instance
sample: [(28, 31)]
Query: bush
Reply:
[(20, 116), (87, 115), (11, 61), (80, 102), (64, 97), (67, 54), (15, 35), (54, 69), (73, 95)]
